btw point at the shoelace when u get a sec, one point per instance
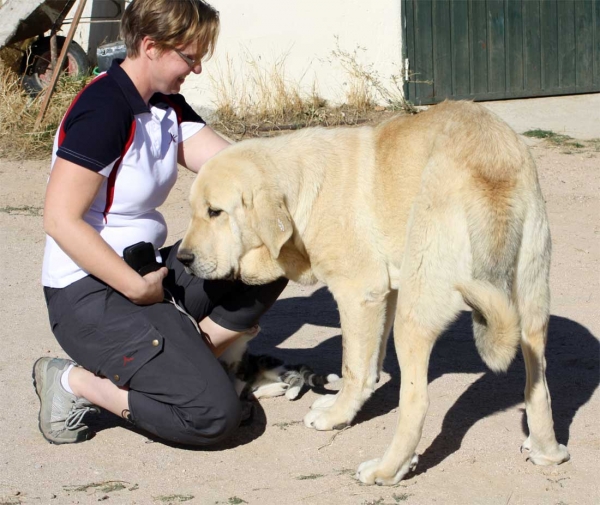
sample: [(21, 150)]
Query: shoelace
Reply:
[(79, 409)]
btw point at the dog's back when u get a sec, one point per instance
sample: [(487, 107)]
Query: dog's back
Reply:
[(459, 152)]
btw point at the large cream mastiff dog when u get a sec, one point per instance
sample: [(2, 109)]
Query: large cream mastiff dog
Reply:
[(404, 222)]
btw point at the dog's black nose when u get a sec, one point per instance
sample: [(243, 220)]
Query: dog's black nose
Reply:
[(186, 257)]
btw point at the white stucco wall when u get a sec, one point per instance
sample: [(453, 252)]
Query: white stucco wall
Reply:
[(301, 33)]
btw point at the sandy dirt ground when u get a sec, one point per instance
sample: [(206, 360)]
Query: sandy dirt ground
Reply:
[(475, 425)]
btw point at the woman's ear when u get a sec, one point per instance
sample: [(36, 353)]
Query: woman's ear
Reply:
[(148, 48)]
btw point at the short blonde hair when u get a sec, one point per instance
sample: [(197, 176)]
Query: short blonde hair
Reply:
[(170, 23)]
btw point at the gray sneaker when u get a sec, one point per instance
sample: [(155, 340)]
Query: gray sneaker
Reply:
[(61, 413)]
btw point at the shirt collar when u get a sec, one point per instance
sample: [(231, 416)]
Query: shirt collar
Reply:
[(136, 102)]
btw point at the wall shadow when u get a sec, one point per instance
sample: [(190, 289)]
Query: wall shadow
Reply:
[(572, 354)]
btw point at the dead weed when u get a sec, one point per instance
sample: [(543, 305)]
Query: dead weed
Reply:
[(19, 111), (568, 144)]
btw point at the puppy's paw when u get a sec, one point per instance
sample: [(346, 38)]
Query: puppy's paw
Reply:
[(293, 392), (270, 390), (324, 402), (374, 472)]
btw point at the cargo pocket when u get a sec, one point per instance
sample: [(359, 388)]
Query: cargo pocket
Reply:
[(132, 354)]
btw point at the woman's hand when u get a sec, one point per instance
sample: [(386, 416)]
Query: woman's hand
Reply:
[(150, 289)]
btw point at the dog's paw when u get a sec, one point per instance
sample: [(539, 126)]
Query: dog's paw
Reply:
[(559, 454), (293, 392), (312, 416), (373, 472), (323, 420), (554, 456), (270, 390), (324, 402)]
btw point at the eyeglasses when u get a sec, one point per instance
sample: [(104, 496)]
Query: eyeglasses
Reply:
[(191, 62)]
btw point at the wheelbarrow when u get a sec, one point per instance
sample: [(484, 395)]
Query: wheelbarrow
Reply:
[(24, 25)]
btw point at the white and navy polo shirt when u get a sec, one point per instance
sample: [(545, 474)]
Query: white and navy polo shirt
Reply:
[(109, 129)]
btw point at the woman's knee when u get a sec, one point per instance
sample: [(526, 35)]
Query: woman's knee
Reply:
[(202, 422), (208, 425)]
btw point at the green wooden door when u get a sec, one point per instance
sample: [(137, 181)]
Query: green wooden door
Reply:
[(494, 49)]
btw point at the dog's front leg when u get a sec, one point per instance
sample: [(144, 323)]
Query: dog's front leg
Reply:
[(363, 321), (413, 347)]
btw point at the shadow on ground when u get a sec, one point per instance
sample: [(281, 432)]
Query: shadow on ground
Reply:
[(572, 356), (572, 373)]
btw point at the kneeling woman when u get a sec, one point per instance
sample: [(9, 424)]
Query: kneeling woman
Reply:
[(115, 161)]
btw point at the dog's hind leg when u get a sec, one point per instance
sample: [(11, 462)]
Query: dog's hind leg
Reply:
[(363, 322), (533, 298)]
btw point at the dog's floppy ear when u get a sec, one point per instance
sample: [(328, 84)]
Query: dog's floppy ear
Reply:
[(273, 222)]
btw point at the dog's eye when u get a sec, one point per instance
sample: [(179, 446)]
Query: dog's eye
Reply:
[(213, 212)]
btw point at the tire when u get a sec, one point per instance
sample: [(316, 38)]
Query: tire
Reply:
[(36, 75)]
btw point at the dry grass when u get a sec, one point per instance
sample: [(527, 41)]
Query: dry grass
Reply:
[(366, 87), (19, 111), (257, 98), (360, 93)]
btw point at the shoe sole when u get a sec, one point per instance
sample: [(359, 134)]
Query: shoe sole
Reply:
[(38, 388)]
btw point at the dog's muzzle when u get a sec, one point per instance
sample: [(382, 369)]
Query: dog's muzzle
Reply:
[(185, 257)]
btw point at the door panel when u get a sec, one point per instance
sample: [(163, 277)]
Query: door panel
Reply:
[(494, 49)]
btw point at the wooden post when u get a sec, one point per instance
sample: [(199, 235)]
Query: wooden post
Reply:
[(59, 63), (53, 51)]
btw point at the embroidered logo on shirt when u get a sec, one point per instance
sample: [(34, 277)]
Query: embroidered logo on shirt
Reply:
[(173, 138), (127, 360)]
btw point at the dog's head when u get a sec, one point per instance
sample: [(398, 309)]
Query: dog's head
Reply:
[(239, 222)]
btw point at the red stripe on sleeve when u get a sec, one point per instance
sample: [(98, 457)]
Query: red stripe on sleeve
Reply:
[(112, 178)]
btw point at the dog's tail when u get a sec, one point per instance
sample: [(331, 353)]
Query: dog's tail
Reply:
[(496, 323), (496, 208)]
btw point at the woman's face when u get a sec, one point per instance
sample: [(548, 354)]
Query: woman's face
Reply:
[(173, 66)]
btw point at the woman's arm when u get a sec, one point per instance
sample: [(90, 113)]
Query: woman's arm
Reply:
[(199, 148), (70, 193)]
